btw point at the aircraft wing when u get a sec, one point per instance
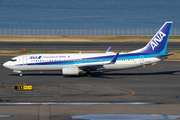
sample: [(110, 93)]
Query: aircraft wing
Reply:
[(94, 66)]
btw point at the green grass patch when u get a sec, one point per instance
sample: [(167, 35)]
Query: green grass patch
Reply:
[(121, 38), (174, 37)]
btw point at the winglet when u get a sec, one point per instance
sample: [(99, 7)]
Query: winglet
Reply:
[(109, 49), (114, 59)]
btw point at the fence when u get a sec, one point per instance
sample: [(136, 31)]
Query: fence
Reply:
[(84, 32)]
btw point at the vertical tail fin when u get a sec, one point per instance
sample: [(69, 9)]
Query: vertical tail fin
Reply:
[(159, 42)]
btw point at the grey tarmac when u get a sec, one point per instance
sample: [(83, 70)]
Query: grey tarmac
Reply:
[(79, 45), (158, 83)]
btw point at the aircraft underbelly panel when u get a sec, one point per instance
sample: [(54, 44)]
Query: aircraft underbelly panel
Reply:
[(121, 66), (40, 67)]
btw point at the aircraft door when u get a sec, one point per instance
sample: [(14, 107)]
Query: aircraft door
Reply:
[(141, 59), (24, 60)]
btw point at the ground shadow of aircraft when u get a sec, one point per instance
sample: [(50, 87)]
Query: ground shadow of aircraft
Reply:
[(147, 73), (105, 74)]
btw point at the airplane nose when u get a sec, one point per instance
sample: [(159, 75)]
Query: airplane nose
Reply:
[(5, 64), (8, 65)]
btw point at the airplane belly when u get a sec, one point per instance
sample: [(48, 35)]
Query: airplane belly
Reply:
[(39, 67), (122, 65), (45, 67)]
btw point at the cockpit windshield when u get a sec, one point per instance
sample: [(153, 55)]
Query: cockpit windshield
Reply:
[(13, 60)]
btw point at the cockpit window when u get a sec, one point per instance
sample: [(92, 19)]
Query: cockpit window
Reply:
[(13, 60)]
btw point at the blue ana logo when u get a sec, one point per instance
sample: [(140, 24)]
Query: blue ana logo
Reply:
[(35, 57), (159, 37)]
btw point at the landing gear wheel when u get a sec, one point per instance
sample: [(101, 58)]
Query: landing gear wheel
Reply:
[(20, 75), (88, 73)]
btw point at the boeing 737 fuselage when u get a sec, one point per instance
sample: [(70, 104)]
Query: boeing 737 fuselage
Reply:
[(73, 64)]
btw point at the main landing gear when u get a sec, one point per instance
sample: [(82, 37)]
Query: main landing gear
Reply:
[(88, 73)]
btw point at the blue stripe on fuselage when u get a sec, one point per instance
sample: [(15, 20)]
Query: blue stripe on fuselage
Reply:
[(96, 59)]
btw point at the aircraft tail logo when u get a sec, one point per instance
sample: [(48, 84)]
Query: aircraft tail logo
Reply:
[(159, 42), (155, 42)]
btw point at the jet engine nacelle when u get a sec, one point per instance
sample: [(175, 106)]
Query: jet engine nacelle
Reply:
[(70, 70)]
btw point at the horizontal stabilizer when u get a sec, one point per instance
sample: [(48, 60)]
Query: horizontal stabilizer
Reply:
[(167, 54), (163, 55)]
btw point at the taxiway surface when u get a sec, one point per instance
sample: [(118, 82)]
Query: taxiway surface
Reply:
[(79, 45), (156, 84), (159, 84)]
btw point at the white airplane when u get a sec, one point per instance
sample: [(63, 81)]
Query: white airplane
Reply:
[(73, 64)]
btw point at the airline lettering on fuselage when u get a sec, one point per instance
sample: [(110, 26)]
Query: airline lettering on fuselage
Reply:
[(159, 37), (35, 57)]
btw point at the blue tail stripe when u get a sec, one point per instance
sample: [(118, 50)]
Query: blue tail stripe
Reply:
[(164, 50)]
